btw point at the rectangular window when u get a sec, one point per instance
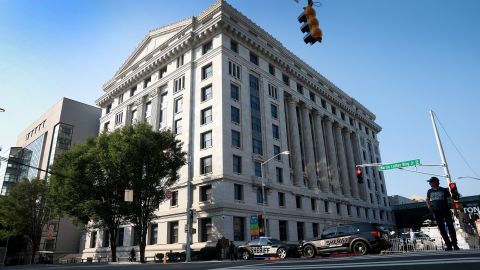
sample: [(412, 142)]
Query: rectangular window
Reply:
[(237, 164), (236, 138), (313, 204), (174, 199), (238, 228), (276, 152), (334, 110), (234, 70), (180, 60), (281, 199), (298, 201), (118, 118), (179, 84), (286, 79), (206, 93), (235, 115), (206, 140), (371, 198), (178, 107), (147, 81), (327, 209), (148, 109), (260, 196), (283, 230), (300, 88), (272, 91), (173, 232), (206, 165), (205, 230), (279, 174), (349, 210), (339, 209), (233, 45), (163, 108), (312, 96), (257, 146), (238, 190), (120, 99), (358, 211), (106, 126), (206, 193), (93, 239), (254, 58), (106, 238), (315, 229), (275, 132), (258, 169), (300, 231), (342, 115), (120, 236), (108, 108), (207, 47), (324, 103), (351, 121), (162, 71), (207, 71), (133, 90), (178, 126), (234, 92), (366, 213), (274, 111), (271, 69), (134, 116), (206, 116), (153, 234)]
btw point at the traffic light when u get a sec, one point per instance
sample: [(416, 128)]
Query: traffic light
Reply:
[(454, 191), (359, 173), (310, 25), (260, 225)]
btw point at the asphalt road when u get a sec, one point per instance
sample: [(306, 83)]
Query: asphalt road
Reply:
[(438, 260)]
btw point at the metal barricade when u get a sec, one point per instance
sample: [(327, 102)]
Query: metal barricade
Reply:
[(411, 245)]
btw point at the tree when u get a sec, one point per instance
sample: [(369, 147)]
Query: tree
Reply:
[(25, 211), (155, 158), (88, 183)]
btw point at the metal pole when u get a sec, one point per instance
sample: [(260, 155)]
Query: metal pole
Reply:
[(264, 217), (189, 208), (440, 148)]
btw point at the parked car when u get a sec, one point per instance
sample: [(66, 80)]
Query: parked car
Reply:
[(357, 238), (267, 247)]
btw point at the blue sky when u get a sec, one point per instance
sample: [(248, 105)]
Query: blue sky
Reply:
[(398, 58)]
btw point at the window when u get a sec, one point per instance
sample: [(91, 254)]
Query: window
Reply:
[(272, 91), (312, 96), (281, 199), (205, 193), (206, 165), (134, 114), (173, 232), (207, 71), (178, 126), (313, 204), (300, 231), (279, 174), (276, 151), (234, 92), (234, 70), (207, 47), (275, 132), (330, 232), (374, 212), (120, 235), (153, 234), (315, 229), (258, 169), (271, 69), (283, 230), (238, 190), (324, 103), (235, 115), (339, 209), (257, 146), (118, 118), (334, 110), (108, 108), (300, 88), (366, 213), (254, 58), (342, 115), (205, 229), (133, 90), (106, 126), (93, 239), (180, 60), (162, 71), (274, 111), (351, 121), (327, 209), (178, 105), (206, 93), (206, 140), (260, 195), (179, 84), (236, 138), (237, 164), (349, 210), (163, 108), (371, 198), (120, 99), (174, 199), (148, 109), (106, 238), (233, 45), (298, 201), (238, 228), (206, 116), (146, 81), (286, 79)]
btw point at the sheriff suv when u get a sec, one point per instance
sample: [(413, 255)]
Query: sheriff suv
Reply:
[(357, 238), (267, 247)]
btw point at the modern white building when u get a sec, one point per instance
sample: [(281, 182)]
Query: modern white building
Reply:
[(236, 97)]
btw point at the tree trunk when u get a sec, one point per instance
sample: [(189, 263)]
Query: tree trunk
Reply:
[(113, 244), (35, 245), (142, 250)]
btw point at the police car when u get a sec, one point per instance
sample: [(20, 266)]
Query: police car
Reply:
[(267, 247), (357, 238)]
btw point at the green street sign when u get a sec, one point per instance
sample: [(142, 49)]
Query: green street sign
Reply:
[(399, 165)]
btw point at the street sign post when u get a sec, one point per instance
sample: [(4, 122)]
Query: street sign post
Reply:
[(399, 165)]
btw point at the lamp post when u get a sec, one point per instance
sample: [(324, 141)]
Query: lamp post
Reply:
[(264, 217)]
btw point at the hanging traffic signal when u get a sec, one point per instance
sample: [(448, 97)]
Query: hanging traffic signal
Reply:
[(359, 173), (310, 25), (454, 191)]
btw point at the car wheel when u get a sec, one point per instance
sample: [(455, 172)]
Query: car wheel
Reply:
[(309, 251), (245, 255), (359, 248), (282, 253)]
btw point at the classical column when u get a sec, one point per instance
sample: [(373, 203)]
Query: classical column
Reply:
[(358, 160), (342, 160), (155, 95), (128, 115), (351, 163), (294, 141), (332, 156), (140, 103), (308, 148), (321, 153)]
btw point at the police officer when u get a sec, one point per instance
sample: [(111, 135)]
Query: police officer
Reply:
[(438, 205)]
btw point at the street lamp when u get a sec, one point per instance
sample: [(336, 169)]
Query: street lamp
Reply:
[(2, 110), (465, 177), (264, 217)]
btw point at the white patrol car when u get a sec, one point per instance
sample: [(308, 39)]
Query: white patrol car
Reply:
[(267, 247)]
